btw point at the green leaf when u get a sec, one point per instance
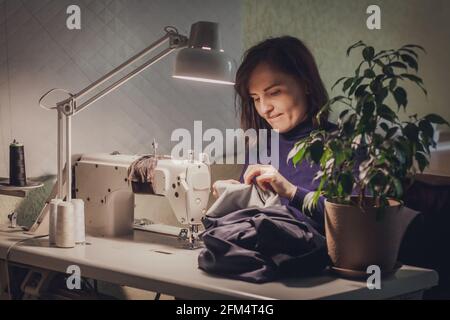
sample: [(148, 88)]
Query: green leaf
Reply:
[(339, 157), (382, 52), (299, 156), (392, 84), (391, 132), (421, 160), (416, 80), (400, 153), (411, 61), (411, 131), (434, 118), (400, 97), (366, 120), (368, 109), (407, 151), (327, 155), (356, 45), (388, 71), (369, 73), (368, 97), (397, 64), (308, 203), (426, 127), (384, 126), (419, 147), (368, 53), (325, 108), (337, 82), (423, 89), (414, 46), (377, 139), (316, 151), (412, 77), (319, 189), (386, 113), (346, 182), (377, 84), (361, 90), (347, 84), (378, 62), (381, 95), (349, 124), (355, 85), (410, 52), (344, 113)]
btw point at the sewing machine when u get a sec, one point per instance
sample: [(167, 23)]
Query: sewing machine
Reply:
[(101, 180)]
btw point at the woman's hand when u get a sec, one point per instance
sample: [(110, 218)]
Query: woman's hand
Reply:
[(268, 178), (215, 193)]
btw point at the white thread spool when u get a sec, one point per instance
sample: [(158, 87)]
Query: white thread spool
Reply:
[(78, 209), (65, 226), (52, 220)]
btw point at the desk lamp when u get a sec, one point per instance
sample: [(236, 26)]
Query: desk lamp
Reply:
[(201, 58)]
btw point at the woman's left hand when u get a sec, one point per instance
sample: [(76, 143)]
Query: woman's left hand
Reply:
[(267, 177)]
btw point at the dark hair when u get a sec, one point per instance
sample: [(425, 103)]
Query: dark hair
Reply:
[(288, 55)]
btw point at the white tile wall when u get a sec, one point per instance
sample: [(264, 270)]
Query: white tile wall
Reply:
[(38, 52)]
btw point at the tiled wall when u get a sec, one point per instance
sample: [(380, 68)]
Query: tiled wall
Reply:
[(38, 52)]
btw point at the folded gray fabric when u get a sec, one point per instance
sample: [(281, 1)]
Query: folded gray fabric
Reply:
[(249, 235), (233, 197), (260, 245)]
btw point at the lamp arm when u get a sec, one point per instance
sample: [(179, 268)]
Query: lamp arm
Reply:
[(176, 40), (111, 74), (124, 79), (67, 108)]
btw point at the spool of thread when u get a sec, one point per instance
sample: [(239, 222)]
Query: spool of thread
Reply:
[(78, 209), (52, 220), (17, 175), (65, 225)]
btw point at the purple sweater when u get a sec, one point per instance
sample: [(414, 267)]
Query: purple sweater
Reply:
[(301, 176)]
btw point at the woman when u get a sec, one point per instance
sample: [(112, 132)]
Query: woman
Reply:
[(279, 87)]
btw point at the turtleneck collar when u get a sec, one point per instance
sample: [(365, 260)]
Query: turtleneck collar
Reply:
[(299, 131)]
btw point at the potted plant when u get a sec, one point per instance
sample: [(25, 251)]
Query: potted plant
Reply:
[(366, 162)]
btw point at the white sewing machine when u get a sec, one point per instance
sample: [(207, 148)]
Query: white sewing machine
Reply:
[(101, 181)]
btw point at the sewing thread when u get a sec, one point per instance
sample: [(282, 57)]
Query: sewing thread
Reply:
[(78, 206), (17, 175), (52, 220), (65, 225)]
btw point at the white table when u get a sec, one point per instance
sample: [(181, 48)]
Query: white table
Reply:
[(148, 262)]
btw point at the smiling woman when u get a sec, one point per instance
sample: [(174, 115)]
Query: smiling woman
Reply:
[(283, 68), (279, 98), (278, 86)]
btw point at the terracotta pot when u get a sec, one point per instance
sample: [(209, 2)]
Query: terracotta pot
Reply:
[(356, 240)]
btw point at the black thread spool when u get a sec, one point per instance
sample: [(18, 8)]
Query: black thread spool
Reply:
[(17, 176)]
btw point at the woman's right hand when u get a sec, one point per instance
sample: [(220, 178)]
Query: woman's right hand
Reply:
[(215, 193)]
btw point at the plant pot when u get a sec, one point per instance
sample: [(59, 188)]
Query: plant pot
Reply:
[(356, 239)]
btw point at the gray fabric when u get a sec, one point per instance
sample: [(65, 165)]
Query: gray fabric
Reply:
[(249, 235), (233, 197), (260, 245)]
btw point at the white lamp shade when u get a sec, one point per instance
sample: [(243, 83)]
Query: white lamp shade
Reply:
[(203, 59)]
